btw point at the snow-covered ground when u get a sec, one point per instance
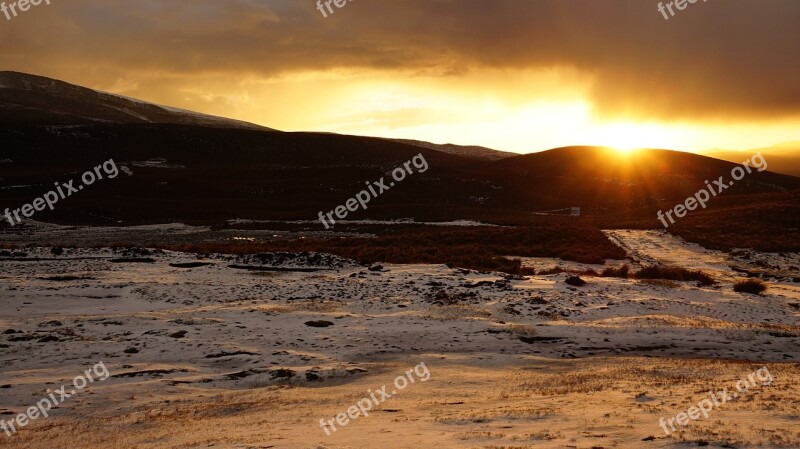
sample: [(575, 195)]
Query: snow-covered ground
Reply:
[(410, 221), (251, 352), (650, 247), (156, 163)]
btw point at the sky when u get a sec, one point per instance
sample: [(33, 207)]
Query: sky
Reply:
[(514, 75)]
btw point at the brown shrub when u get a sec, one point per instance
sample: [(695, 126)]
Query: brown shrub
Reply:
[(483, 249), (554, 270), (673, 274), (616, 272), (754, 286)]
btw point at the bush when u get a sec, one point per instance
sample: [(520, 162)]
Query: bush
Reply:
[(674, 274), (616, 272), (554, 270), (483, 249), (754, 286), (479, 249)]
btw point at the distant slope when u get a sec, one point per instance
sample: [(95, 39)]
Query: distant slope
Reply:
[(209, 175), (36, 99), (209, 170), (783, 158), (205, 174), (766, 222), (593, 176), (471, 151)]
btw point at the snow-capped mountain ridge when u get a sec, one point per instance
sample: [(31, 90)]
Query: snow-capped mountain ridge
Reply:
[(32, 98)]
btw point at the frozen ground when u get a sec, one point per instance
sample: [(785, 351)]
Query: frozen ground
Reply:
[(252, 352), (661, 247), (43, 234)]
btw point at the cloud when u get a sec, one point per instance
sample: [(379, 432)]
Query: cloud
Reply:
[(715, 60)]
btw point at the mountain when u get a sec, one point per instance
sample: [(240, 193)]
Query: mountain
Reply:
[(209, 175), (601, 177), (207, 171), (36, 99), (471, 151), (782, 158)]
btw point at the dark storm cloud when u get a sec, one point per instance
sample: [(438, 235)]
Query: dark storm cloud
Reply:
[(715, 59)]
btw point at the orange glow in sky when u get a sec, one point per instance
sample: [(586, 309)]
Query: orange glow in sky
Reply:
[(512, 75), (513, 111)]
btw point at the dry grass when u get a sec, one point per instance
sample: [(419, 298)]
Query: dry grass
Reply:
[(654, 273), (458, 312), (674, 274), (616, 272), (661, 283), (753, 286), (763, 222), (482, 249), (319, 306), (522, 329), (540, 403), (554, 270)]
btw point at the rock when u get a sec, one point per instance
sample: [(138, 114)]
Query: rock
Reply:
[(57, 251), (318, 323), (28, 337), (48, 339), (179, 334), (480, 284), (509, 309), (376, 268), (305, 259), (189, 264), (230, 354), (576, 281), (136, 252), (282, 373), (53, 323), (66, 278), (531, 340), (131, 350)]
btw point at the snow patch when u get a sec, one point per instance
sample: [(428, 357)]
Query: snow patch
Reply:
[(464, 223), (155, 163)]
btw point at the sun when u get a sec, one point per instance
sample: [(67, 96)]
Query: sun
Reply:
[(627, 138), (625, 150)]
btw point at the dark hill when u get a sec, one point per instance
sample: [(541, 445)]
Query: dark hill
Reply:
[(29, 99), (601, 177), (208, 171)]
